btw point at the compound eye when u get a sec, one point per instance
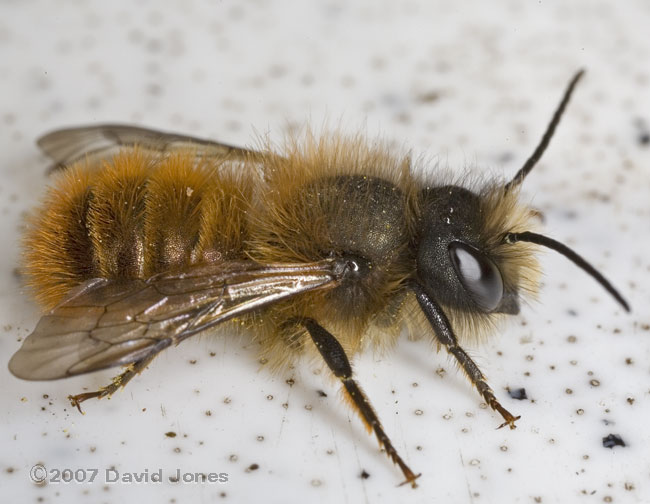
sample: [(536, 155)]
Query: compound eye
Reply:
[(480, 276)]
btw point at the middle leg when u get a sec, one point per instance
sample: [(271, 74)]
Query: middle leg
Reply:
[(338, 362)]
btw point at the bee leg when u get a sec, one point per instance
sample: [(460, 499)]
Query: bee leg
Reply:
[(119, 381), (440, 323), (337, 361)]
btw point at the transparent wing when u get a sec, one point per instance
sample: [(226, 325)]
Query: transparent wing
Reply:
[(106, 323), (65, 146)]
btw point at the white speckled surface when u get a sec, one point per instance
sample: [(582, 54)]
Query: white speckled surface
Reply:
[(471, 84)]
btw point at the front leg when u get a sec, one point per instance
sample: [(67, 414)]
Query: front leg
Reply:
[(440, 324), (338, 362)]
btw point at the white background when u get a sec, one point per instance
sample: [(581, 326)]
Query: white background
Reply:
[(469, 85)]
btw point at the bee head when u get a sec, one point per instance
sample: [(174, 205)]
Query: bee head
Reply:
[(457, 262), (474, 250)]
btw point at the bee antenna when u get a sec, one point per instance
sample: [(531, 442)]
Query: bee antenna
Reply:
[(548, 134), (545, 241)]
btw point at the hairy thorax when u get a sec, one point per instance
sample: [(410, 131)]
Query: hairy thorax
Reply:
[(359, 217)]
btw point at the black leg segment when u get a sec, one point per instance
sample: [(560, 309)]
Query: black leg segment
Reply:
[(339, 364), (440, 324)]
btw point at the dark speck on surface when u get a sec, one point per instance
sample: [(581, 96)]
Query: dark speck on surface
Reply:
[(505, 157), (643, 136), (613, 440), (519, 394), (364, 474), (429, 97)]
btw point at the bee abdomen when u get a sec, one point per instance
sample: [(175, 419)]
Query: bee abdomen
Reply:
[(58, 249), (133, 218)]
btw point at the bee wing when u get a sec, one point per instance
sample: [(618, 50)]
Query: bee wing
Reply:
[(65, 146), (105, 323)]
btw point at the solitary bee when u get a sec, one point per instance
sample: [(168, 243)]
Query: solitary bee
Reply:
[(324, 248)]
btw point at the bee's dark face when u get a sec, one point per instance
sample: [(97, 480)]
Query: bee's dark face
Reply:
[(452, 264)]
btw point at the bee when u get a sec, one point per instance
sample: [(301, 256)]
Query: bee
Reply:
[(322, 248)]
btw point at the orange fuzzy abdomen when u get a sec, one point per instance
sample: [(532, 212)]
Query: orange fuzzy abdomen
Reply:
[(133, 217)]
